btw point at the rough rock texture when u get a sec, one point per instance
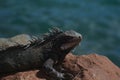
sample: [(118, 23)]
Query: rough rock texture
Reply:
[(85, 67), (92, 67)]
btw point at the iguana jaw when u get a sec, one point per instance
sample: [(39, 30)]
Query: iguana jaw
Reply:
[(73, 40), (71, 44)]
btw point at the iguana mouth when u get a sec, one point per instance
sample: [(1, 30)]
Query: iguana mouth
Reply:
[(70, 44)]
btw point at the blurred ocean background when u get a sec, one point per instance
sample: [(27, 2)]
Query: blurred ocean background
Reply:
[(97, 20)]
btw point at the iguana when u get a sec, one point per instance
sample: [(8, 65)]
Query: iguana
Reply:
[(40, 53)]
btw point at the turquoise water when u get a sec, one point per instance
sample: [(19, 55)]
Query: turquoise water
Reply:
[(97, 20)]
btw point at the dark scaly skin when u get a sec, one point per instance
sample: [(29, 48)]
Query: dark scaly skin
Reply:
[(40, 53)]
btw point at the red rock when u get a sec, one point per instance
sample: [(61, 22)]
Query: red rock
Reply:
[(91, 67), (85, 67)]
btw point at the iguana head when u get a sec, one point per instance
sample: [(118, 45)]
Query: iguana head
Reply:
[(58, 41), (66, 41)]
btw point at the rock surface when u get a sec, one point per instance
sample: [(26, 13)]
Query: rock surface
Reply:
[(92, 67), (85, 67)]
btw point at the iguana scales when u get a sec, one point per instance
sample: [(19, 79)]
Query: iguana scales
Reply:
[(45, 53)]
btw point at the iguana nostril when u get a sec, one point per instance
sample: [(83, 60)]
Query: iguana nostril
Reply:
[(80, 37)]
